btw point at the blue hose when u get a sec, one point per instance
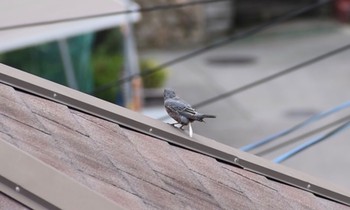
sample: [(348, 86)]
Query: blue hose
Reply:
[(309, 121), (311, 142)]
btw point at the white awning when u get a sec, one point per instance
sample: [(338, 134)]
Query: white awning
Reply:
[(20, 12)]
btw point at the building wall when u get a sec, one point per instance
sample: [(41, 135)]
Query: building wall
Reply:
[(250, 12), (196, 24), (184, 26)]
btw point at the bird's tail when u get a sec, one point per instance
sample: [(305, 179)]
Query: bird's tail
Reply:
[(209, 116), (201, 117)]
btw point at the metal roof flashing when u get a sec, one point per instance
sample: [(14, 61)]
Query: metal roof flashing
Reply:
[(49, 189), (135, 121)]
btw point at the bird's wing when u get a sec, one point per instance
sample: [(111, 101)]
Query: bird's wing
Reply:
[(174, 105), (188, 111), (181, 107)]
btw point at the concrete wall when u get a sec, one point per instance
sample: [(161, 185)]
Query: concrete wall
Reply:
[(184, 26)]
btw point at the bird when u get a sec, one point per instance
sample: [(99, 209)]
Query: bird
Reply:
[(181, 111)]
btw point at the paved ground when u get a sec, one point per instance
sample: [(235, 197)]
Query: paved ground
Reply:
[(269, 108)]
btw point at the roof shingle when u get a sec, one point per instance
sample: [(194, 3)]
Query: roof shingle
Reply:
[(132, 169)]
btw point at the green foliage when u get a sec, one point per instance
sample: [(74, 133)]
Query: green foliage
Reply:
[(108, 41), (156, 79), (107, 69), (45, 61), (107, 62)]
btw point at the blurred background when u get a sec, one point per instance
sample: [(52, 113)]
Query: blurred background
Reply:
[(260, 66)]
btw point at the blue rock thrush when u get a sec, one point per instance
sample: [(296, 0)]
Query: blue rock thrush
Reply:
[(181, 111)]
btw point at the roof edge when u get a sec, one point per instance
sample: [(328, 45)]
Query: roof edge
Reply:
[(49, 189), (160, 130)]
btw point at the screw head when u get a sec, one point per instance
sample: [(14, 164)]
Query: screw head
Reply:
[(17, 189)]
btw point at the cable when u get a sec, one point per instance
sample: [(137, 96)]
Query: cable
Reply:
[(219, 43), (311, 142), (144, 9), (303, 124), (273, 76), (303, 136), (268, 78)]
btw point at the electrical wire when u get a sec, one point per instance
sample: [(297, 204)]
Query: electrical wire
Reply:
[(286, 16), (303, 136), (272, 77), (143, 9), (296, 127), (268, 78), (311, 142)]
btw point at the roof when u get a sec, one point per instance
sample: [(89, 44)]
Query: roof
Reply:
[(15, 15), (118, 163)]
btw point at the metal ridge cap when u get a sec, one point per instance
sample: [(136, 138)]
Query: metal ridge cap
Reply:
[(160, 130)]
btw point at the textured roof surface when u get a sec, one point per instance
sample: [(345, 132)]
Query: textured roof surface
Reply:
[(132, 169)]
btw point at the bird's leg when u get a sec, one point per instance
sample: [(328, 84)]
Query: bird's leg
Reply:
[(182, 125), (190, 130), (173, 124)]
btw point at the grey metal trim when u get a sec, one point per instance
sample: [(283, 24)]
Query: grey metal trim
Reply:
[(40, 186), (23, 196), (158, 129)]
